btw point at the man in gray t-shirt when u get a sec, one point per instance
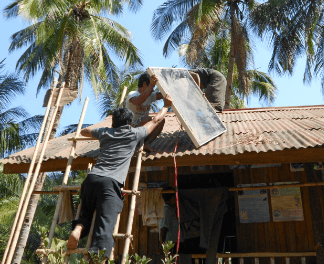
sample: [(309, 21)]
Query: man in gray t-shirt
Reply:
[(101, 190)]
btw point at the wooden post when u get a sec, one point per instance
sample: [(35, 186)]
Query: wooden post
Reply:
[(31, 167), (66, 175), (32, 184), (122, 98), (133, 203)]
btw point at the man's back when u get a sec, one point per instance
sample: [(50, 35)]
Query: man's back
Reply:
[(117, 146)]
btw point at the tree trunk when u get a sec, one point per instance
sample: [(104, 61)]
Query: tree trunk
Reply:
[(31, 210), (229, 78)]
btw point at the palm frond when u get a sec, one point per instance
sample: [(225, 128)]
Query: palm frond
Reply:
[(168, 13)]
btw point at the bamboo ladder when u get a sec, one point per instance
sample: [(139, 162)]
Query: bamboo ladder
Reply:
[(31, 178), (127, 236)]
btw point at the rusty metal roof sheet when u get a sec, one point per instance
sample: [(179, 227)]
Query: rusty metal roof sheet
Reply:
[(248, 130)]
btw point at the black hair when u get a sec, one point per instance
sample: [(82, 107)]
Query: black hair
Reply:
[(121, 117), (145, 77), (168, 196)]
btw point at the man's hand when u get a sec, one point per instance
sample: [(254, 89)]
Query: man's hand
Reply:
[(167, 100), (153, 80), (150, 126)]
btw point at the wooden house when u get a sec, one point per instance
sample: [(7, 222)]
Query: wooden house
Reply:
[(268, 146)]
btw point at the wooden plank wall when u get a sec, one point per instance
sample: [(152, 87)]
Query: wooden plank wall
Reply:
[(292, 236)]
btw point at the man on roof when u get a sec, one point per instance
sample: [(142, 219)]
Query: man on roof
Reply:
[(101, 190), (213, 84), (140, 103)]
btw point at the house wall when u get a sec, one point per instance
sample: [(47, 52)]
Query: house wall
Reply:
[(290, 236), (294, 236)]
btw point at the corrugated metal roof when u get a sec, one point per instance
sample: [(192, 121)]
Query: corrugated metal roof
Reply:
[(248, 130)]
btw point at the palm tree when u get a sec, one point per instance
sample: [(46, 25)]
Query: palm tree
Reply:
[(73, 41), (17, 129), (201, 20), (294, 28), (216, 56), (111, 97)]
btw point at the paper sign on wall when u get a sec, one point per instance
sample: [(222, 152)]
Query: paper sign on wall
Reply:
[(253, 204), (286, 203)]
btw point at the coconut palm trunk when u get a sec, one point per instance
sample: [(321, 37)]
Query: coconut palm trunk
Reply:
[(231, 63)]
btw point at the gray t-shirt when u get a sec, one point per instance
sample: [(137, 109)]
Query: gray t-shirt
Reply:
[(117, 146)]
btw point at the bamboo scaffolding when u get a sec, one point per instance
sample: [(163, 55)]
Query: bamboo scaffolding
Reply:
[(29, 174), (132, 205), (21, 217), (66, 175)]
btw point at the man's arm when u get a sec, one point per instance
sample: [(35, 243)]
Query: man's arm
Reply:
[(146, 93), (159, 96), (150, 126), (86, 132), (163, 234)]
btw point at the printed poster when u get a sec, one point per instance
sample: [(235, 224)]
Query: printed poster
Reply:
[(253, 204), (286, 203)]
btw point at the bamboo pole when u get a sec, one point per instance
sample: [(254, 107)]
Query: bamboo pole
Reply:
[(115, 235), (310, 184), (122, 98), (67, 257), (31, 167), (66, 175), (78, 187), (133, 203), (91, 230), (32, 184)]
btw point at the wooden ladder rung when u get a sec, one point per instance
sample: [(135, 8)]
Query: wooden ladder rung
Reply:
[(120, 235), (78, 187)]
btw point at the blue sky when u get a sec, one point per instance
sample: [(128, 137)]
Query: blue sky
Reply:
[(292, 91)]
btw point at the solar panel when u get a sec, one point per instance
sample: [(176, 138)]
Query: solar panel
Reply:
[(190, 105)]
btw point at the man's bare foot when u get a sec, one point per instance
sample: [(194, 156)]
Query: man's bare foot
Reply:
[(148, 148), (74, 237)]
